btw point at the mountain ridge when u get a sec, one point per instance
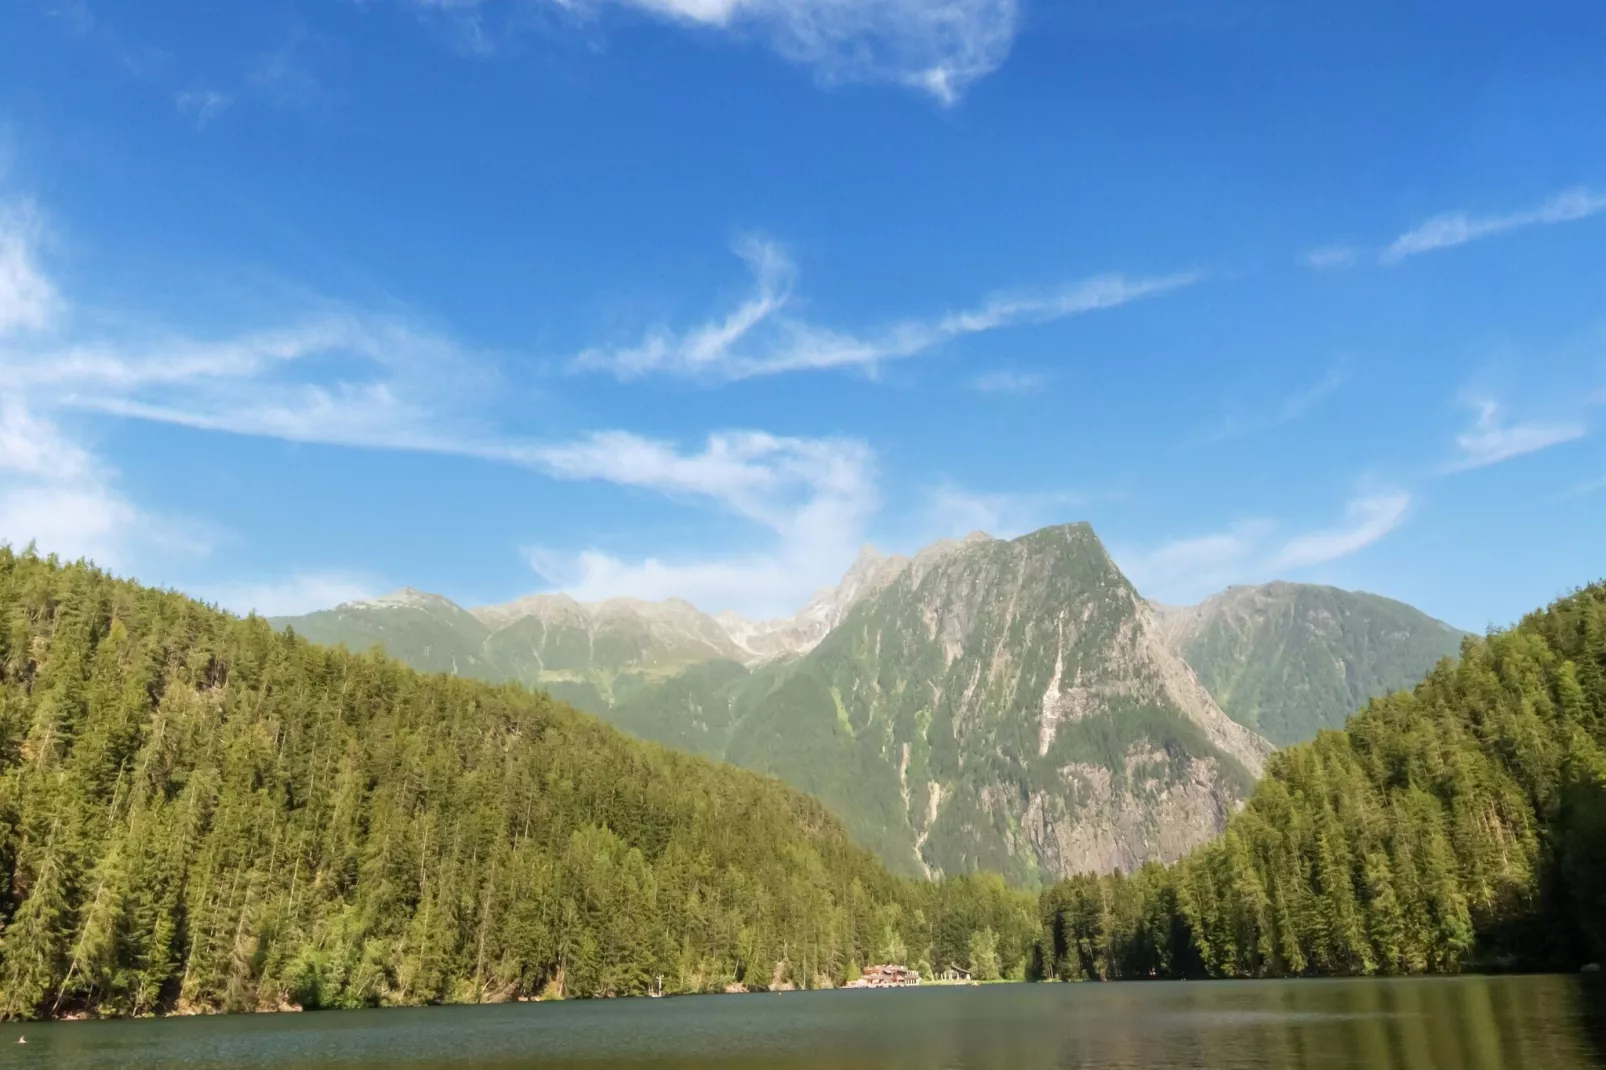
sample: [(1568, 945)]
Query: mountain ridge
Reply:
[(1291, 659), (1084, 727)]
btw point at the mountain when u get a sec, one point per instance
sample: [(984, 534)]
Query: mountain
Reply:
[(200, 813), (591, 654), (587, 654), (428, 632), (1000, 705), (1458, 825), (802, 632), (1288, 659), (984, 704)]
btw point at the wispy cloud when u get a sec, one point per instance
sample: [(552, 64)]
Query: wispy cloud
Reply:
[(761, 336), (1300, 402), (1366, 520), (284, 75), (813, 495), (1005, 381), (1285, 410), (359, 379), (1490, 441), (953, 511), (1330, 257), (1258, 550), (400, 386), (302, 592), (74, 14), (28, 299), (936, 48), (57, 494), (1458, 228), (204, 105), (1187, 568), (54, 491)]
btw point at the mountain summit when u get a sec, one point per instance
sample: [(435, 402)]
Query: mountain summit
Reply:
[(1013, 705), (1006, 705), (1289, 659)]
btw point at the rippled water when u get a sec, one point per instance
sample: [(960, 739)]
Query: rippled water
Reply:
[(1556, 1023)]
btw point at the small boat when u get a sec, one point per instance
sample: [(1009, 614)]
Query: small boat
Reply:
[(658, 989), (22, 1040)]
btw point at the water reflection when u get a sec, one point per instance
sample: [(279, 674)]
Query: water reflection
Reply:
[(1478, 1023)]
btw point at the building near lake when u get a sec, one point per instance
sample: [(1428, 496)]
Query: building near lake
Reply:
[(888, 976)]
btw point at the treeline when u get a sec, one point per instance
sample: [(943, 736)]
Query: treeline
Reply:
[(1458, 826), (198, 813)]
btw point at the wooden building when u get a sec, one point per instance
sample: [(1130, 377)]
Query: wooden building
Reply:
[(887, 976)]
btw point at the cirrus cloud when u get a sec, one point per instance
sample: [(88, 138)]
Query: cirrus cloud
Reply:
[(1458, 228), (1490, 440), (813, 496), (936, 48), (762, 336), (1255, 550)]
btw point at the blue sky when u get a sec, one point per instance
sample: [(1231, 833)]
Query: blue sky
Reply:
[(693, 297)]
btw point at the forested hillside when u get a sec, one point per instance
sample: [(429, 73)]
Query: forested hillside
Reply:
[(1460, 825), (200, 813), (1004, 705), (1290, 659)]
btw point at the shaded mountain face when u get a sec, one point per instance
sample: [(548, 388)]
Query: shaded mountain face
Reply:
[(1290, 659), (985, 704)]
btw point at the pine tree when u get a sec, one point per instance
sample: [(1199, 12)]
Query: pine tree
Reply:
[(984, 962)]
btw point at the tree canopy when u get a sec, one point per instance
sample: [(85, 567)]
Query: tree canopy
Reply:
[(1460, 825), (199, 813)]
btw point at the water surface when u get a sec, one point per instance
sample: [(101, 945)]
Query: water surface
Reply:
[(1472, 1023)]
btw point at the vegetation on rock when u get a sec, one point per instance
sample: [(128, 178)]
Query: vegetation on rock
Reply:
[(1459, 825), (1290, 659), (986, 705)]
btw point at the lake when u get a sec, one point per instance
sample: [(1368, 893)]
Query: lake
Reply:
[(1466, 1023)]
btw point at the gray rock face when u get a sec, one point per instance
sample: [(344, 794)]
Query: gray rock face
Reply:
[(1007, 706), (802, 632)]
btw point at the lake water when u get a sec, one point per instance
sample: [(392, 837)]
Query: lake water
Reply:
[(1470, 1023)]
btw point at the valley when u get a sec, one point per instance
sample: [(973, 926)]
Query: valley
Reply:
[(985, 704)]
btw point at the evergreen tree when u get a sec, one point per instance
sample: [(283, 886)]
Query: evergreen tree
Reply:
[(1459, 825), (199, 813)]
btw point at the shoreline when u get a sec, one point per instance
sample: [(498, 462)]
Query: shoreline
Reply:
[(1583, 977)]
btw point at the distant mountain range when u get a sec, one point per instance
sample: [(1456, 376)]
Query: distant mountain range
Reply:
[(986, 704)]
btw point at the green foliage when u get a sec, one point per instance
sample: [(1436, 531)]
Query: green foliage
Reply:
[(918, 719), (1290, 659), (1461, 825), (200, 812), (984, 964), (425, 631), (592, 657)]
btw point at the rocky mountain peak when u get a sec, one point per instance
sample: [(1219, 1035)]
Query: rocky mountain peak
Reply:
[(402, 598), (1003, 704)]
